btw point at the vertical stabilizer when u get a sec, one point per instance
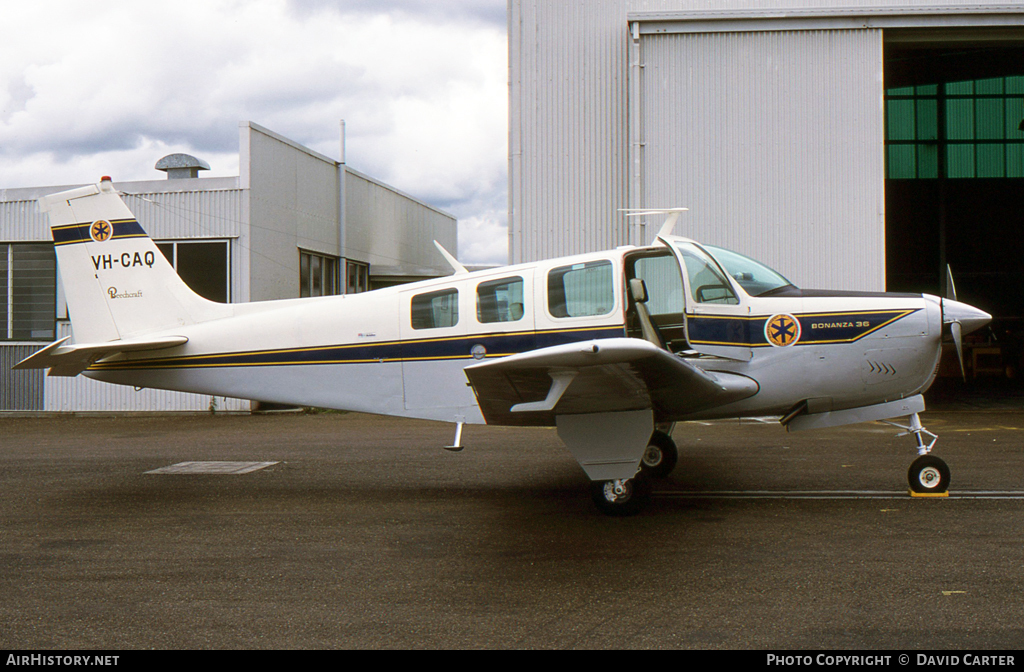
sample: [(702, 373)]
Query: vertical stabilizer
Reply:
[(117, 283)]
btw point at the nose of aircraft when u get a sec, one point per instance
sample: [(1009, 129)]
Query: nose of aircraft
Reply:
[(969, 317)]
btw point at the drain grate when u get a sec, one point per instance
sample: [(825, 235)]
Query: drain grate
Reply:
[(211, 467)]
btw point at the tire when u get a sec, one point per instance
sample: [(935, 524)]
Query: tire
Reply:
[(661, 456), (928, 474), (633, 497)]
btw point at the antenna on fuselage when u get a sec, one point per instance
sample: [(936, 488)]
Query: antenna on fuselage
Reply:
[(670, 221), (452, 261)]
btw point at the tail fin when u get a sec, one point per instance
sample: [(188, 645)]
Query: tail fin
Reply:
[(117, 283)]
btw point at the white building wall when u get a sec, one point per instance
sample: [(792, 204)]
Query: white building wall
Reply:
[(394, 232), (293, 203)]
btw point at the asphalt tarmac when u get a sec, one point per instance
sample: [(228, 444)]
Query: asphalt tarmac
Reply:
[(367, 534)]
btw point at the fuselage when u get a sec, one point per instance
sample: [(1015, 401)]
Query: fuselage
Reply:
[(402, 350)]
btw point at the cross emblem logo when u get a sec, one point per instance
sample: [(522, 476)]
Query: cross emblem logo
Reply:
[(782, 330), (100, 231)]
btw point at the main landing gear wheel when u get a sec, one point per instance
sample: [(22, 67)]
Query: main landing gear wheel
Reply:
[(625, 497), (661, 456), (928, 475)]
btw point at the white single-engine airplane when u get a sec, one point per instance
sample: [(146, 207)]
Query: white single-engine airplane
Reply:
[(611, 348)]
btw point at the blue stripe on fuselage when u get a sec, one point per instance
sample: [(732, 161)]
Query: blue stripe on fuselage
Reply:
[(460, 347)]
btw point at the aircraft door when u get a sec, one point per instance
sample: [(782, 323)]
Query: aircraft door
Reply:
[(717, 320), (433, 327)]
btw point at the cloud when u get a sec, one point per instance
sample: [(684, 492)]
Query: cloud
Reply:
[(485, 11), (87, 90)]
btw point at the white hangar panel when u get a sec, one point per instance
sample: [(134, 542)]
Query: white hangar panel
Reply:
[(774, 141), (584, 122), (567, 165)]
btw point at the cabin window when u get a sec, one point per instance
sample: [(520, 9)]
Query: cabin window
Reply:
[(28, 292), (500, 300), (581, 290), (318, 274), (202, 265), (435, 310)]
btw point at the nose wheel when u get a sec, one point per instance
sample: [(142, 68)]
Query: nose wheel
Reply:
[(928, 475)]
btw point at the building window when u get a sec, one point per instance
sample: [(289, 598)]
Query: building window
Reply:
[(28, 292), (203, 265), (500, 300), (318, 274), (965, 129), (435, 310), (581, 290), (357, 277)]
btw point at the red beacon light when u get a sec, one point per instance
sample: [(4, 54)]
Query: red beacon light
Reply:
[(105, 178)]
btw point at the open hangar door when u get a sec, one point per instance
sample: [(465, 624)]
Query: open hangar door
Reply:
[(954, 189)]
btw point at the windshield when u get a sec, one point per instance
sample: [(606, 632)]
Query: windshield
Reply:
[(755, 278)]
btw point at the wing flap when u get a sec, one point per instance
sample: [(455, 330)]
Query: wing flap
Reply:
[(70, 360), (608, 375)]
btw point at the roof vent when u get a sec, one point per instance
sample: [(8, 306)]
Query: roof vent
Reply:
[(181, 166)]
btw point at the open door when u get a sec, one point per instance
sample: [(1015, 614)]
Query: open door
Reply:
[(716, 316)]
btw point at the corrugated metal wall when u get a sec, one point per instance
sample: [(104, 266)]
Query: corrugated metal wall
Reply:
[(22, 220), (19, 390), (576, 95), (774, 141), (568, 156)]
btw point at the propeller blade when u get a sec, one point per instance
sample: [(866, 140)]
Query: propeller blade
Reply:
[(957, 331), (950, 287)]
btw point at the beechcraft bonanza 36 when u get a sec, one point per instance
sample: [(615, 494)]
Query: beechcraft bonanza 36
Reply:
[(612, 348)]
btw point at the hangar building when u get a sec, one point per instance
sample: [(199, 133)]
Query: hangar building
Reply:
[(292, 223), (850, 144)]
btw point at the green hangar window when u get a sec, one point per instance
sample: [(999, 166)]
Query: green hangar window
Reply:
[(28, 292), (968, 129)]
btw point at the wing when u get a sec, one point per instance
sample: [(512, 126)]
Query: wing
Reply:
[(70, 360), (603, 376)]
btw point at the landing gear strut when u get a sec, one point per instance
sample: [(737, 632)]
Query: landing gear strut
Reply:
[(928, 474)]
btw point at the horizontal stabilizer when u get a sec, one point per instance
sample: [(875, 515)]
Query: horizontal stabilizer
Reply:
[(70, 360)]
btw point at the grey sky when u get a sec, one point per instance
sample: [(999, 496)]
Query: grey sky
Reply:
[(88, 90)]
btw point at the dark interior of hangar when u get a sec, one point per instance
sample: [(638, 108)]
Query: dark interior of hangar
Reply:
[(955, 182)]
